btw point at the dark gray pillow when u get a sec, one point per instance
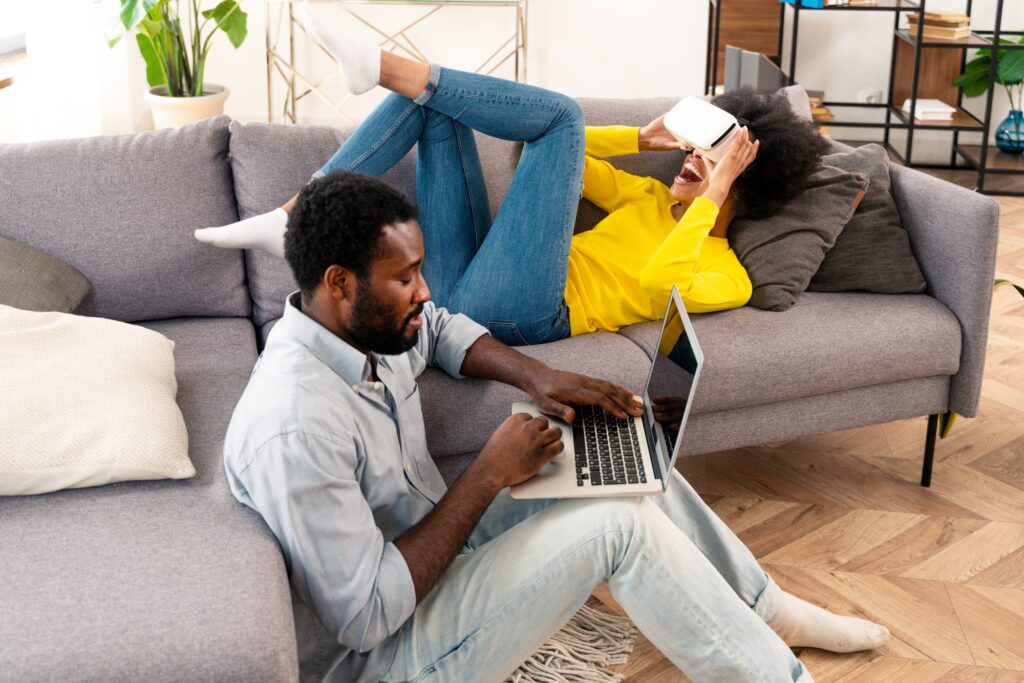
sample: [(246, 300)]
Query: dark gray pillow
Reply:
[(872, 253), (782, 252), (34, 281)]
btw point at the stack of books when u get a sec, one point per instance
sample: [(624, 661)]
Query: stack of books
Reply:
[(942, 25), (930, 110), (819, 112)]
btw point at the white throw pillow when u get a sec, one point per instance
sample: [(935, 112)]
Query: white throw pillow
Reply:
[(85, 402)]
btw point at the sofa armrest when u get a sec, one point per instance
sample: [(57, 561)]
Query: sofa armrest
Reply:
[(954, 233)]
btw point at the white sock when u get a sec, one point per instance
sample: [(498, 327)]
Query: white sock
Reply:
[(265, 231), (801, 624), (358, 60)]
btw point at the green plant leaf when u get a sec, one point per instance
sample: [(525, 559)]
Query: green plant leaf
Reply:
[(155, 74), (132, 11), (1004, 283), (231, 19), (974, 79), (1010, 70)]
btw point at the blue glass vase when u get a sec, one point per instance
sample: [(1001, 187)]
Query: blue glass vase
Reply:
[(1010, 133)]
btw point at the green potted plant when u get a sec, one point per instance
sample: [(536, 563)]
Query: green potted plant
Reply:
[(1010, 75), (175, 46)]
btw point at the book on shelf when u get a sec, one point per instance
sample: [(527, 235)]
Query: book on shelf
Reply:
[(943, 18), (930, 110), (945, 32), (821, 114)]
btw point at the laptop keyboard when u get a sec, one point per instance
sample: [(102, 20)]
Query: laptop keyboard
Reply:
[(607, 449)]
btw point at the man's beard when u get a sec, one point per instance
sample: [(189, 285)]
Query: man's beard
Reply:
[(374, 328)]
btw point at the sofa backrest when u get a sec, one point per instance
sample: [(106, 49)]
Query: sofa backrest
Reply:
[(122, 210), (271, 162)]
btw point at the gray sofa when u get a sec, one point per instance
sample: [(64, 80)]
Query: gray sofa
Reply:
[(174, 580)]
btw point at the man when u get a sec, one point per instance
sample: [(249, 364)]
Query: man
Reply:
[(397, 578)]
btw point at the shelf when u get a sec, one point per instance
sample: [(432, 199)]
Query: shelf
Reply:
[(880, 6), (962, 120), (843, 120), (998, 161), (971, 42)]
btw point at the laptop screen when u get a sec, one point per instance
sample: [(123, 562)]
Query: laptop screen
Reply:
[(671, 385)]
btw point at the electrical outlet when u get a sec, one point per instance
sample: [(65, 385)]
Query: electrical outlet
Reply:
[(870, 96)]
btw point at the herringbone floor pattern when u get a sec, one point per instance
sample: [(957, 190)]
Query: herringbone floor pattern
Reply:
[(840, 520)]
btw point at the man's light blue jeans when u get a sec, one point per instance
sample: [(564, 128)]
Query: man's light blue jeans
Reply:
[(507, 274), (687, 582)]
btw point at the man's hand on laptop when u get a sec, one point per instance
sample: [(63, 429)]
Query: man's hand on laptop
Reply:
[(554, 391), (519, 448)]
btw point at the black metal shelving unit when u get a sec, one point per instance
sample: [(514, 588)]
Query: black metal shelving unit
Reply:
[(976, 157)]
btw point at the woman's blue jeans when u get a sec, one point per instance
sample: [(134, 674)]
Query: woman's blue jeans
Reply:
[(507, 273)]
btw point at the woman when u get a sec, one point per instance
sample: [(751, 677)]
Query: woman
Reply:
[(524, 275)]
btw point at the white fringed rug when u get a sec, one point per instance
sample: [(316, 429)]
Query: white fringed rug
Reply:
[(581, 652)]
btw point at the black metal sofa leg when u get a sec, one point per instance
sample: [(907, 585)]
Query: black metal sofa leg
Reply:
[(929, 450)]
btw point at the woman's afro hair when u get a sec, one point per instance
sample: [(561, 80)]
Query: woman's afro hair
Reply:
[(790, 151)]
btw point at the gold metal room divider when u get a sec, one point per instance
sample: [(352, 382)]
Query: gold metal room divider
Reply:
[(284, 30)]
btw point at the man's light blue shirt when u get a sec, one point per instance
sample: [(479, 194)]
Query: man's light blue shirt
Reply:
[(337, 465)]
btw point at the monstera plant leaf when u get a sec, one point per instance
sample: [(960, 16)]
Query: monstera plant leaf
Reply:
[(1009, 69)]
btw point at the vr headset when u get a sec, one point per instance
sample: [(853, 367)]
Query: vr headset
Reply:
[(701, 125)]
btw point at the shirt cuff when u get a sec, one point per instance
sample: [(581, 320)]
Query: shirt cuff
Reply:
[(458, 335), (395, 584)]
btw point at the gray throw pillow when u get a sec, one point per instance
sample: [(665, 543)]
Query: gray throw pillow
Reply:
[(872, 253), (781, 253), (34, 281)]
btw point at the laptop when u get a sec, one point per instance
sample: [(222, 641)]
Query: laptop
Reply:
[(606, 456)]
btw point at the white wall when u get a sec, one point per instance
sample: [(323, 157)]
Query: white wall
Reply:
[(582, 47), (72, 84)]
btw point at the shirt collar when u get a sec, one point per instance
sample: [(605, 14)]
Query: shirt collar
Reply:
[(348, 363)]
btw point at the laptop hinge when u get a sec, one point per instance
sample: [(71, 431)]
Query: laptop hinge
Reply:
[(648, 433)]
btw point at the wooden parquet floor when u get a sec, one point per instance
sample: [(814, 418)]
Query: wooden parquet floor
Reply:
[(839, 519)]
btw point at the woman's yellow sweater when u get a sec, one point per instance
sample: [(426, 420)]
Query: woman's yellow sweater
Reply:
[(622, 271)]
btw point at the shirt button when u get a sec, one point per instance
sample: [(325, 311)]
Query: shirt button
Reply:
[(355, 388), (408, 470), (376, 385)]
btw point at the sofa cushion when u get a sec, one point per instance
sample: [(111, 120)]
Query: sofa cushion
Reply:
[(126, 207), (153, 581), (34, 281), (739, 427), (80, 394), (460, 415), (872, 253), (825, 343), (271, 163), (782, 252)]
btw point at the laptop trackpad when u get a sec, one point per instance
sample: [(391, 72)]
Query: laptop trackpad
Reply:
[(553, 464)]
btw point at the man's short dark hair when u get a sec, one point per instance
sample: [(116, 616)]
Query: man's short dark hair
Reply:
[(790, 151), (338, 220)]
